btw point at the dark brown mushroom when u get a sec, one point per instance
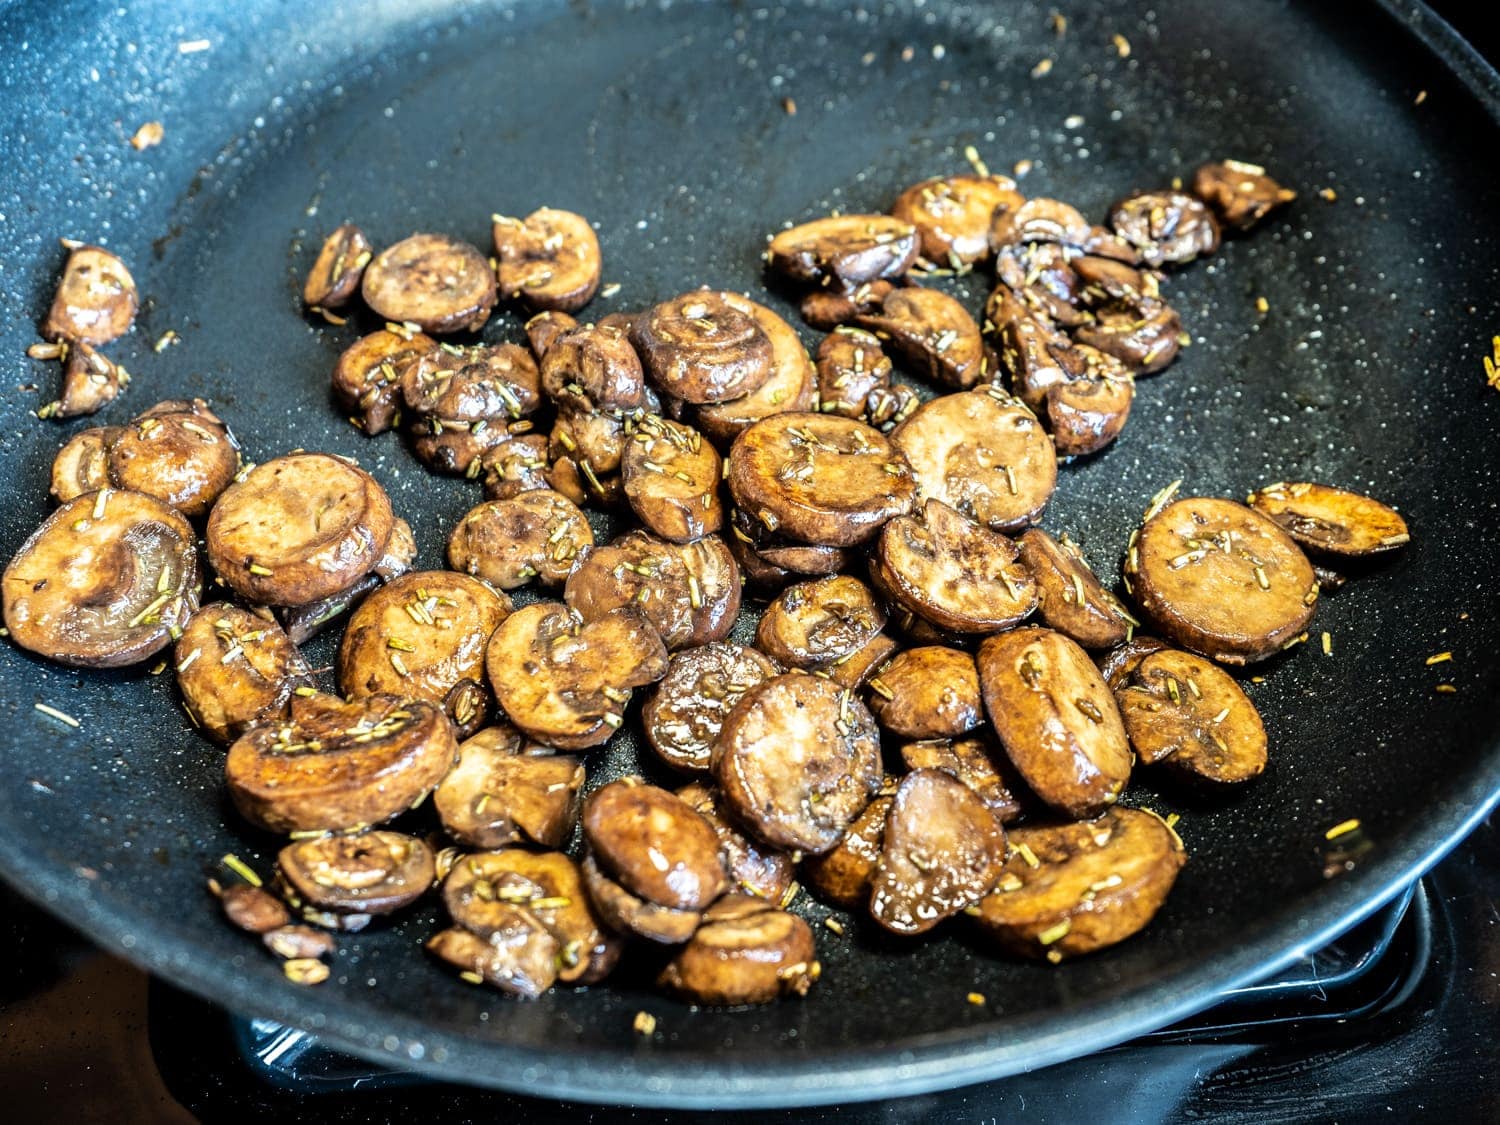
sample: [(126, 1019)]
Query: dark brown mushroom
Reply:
[(549, 260), (842, 875), (754, 868), (928, 692), (751, 953), (234, 667), (978, 762), (593, 368), (1039, 220), (654, 844), (91, 381), (436, 283), (933, 335), (1332, 521), (82, 465), (178, 451), (685, 713), (704, 346), (367, 376), (1165, 226), (671, 479), (335, 275), (374, 872), (626, 913), (96, 298), (851, 365), (1239, 194), (791, 386), (1070, 598), (503, 791), (536, 534), (518, 957), (844, 250), (953, 215)]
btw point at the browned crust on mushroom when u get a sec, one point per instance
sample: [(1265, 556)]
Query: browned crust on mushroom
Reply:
[(437, 283)]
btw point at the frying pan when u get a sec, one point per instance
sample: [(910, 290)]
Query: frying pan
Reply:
[(666, 125)]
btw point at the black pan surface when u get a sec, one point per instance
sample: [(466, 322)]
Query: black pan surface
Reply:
[(665, 124)]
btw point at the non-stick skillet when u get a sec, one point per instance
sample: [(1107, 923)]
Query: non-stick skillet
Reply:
[(665, 123)]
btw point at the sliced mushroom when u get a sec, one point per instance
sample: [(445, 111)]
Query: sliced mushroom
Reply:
[(928, 692), (82, 465), (330, 765), (813, 625), (754, 955), (933, 335), (519, 957), (292, 943), (1039, 220), (463, 401), (253, 909), (1185, 711), (977, 762), (842, 875), (367, 873), (1056, 719), (953, 215), (1031, 349), (107, 580), (1144, 335), (96, 299), (671, 479), (549, 260), (367, 376), (851, 365), (844, 250), (1331, 520), (1088, 412), (543, 330), (1118, 663), (943, 849), (791, 386), (1092, 885), (949, 570), (1221, 579), (593, 368), (304, 622), (1070, 598), (1042, 277), (888, 407), (827, 309), (586, 449), (335, 275), (798, 759), (565, 682), (298, 528), (514, 465), (654, 845), (982, 453), (704, 346), (91, 381), (854, 670), (754, 868), (685, 713), (506, 543), (1165, 226), (235, 667), (625, 913), (770, 561), (178, 451), (436, 283), (1239, 194)]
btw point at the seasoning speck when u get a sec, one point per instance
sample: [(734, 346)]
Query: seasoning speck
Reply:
[(60, 716), (1329, 194), (789, 105), (1420, 98), (165, 341), (1122, 45), (1042, 69), (1262, 305), (644, 1024), (1492, 365), (1073, 121), (1343, 828), (971, 154), (193, 46), (976, 998), (834, 924), (147, 136), (1021, 167), (1440, 658), (1446, 689), (1327, 643), (305, 970)]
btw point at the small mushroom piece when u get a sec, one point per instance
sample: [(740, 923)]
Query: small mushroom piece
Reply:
[(332, 766), (431, 281), (888, 407), (791, 386), (96, 299), (543, 330), (1239, 194), (928, 692), (842, 875), (1031, 349), (1221, 579), (1039, 220), (1145, 335), (178, 451), (235, 667), (778, 559), (486, 383), (304, 622), (519, 957), (982, 453), (1093, 884), (979, 764), (813, 625), (827, 309), (1333, 521), (685, 713), (549, 260), (798, 759), (671, 479), (953, 215), (851, 365), (298, 528), (501, 793), (293, 943), (335, 275), (626, 913), (844, 250), (1056, 719), (1118, 663), (586, 449), (654, 845), (754, 868), (703, 346), (933, 335), (367, 376), (517, 464), (91, 381), (566, 682), (943, 849), (107, 580), (1185, 711), (533, 535), (1070, 598), (593, 368), (253, 909), (947, 569), (1165, 226), (82, 465), (373, 872), (1042, 277), (1087, 413), (755, 956)]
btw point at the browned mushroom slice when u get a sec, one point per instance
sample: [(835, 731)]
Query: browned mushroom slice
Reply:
[(798, 759), (977, 762), (233, 667), (179, 452), (1070, 598), (1105, 243), (515, 465), (791, 386), (96, 299), (1332, 520), (943, 850), (1087, 413), (420, 636), (1239, 194), (536, 534), (1183, 710), (107, 580), (982, 453), (432, 281), (1145, 335), (933, 335), (754, 868), (1039, 220), (91, 381), (1118, 663), (1031, 349), (485, 383), (340, 265), (550, 259), (1221, 579), (298, 528), (854, 670), (543, 330), (953, 215), (367, 376), (671, 479), (844, 250), (593, 368), (1091, 885), (497, 794), (850, 366), (331, 765), (928, 692), (368, 873), (888, 407), (1165, 226), (949, 570), (684, 715), (819, 478), (654, 845), (292, 943), (813, 624), (82, 465), (787, 554), (827, 309), (519, 957), (564, 681), (253, 909), (754, 954), (624, 913), (704, 346), (1042, 277), (303, 622), (843, 874), (1056, 719)]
